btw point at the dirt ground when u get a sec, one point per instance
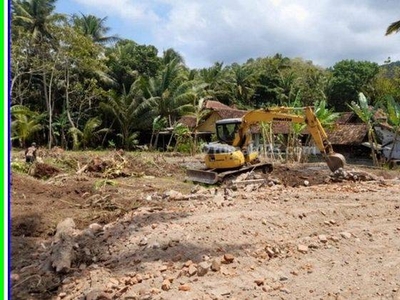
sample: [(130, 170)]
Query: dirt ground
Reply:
[(142, 232)]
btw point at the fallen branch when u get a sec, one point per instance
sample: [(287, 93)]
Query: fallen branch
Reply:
[(81, 170)]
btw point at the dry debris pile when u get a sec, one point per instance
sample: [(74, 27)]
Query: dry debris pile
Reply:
[(294, 233)]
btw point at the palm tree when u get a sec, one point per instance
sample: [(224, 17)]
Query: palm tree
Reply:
[(24, 123), (129, 111), (393, 28), (166, 92), (36, 17), (94, 27), (242, 82), (170, 54), (87, 134), (217, 79)]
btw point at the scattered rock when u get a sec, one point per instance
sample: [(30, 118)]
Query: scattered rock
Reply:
[(228, 258), (215, 265), (322, 238), (302, 248), (192, 270), (184, 287), (166, 285), (97, 295), (346, 235), (259, 282), (202, 268)]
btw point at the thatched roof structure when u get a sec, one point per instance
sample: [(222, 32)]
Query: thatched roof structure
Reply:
[(188, 120), (348, 134), (215, 105), (230, 113)]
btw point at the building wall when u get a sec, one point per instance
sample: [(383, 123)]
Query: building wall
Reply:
[(209, 124)]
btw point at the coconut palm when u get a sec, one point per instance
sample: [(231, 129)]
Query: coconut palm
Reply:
[(36, 17), (24, 123), (241, 80), (165, 92), (94, 28), (88, 134), (129, 112), (393, 28)]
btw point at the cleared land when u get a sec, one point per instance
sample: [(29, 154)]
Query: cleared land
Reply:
[(140, 231)]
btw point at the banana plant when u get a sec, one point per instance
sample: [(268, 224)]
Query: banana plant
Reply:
[(366, 113), (393, 111)]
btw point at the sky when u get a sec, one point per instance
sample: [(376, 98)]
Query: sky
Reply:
[(228, 31)]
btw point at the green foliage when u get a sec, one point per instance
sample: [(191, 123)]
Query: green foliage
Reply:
[(62, 69), (366, 113), (393, 111), (350, 77), (393, 28), (128, 112), (159, 123), (127, 61), (184, 140), (20, 167), (93, 27), (362, 109), (88, 135), (24, 123), (327, 117), (101, 184)]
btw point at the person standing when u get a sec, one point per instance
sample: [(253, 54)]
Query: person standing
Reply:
[(30, 153)]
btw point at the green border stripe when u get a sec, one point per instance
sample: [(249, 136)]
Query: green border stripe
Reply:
[(4, 152)]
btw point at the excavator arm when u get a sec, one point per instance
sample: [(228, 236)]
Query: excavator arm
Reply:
[(283, 114)]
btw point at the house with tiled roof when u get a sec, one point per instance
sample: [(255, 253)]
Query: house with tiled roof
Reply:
[(216, 111)]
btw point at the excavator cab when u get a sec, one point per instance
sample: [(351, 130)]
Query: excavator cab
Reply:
[(226, 129)]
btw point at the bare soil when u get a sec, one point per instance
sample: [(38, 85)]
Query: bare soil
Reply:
[(301, 234)]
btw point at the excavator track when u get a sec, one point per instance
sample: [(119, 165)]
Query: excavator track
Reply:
[(213, 176)]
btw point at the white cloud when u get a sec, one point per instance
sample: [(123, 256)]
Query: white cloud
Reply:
[(207, 31)]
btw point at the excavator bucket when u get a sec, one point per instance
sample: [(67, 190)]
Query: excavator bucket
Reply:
[(335, 161)]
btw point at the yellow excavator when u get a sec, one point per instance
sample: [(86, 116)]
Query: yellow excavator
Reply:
[(233, 153)]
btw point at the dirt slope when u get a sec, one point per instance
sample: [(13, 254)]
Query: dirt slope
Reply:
[(298, 236)]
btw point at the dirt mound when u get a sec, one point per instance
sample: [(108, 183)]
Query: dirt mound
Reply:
[(153, 236), (43, 171)]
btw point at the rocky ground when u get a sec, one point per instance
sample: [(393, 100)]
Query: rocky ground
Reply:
[(128, 226)]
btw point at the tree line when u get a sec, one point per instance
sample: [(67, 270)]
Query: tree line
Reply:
[(76, 87)]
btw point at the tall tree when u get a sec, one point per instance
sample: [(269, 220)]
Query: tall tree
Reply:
[(127, 61), (165, 92), (36, 16), (349, 78), (93, 27), (129, 111), (241, 81)]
